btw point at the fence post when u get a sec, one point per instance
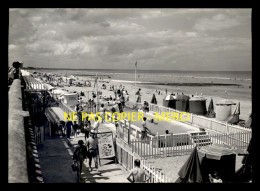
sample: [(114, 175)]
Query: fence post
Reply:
[(227, 127)]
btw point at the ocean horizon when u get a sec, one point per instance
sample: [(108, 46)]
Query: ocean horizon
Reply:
[(115, 73)]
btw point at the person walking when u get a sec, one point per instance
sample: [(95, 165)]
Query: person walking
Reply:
[(68, 127), (95, 125), (102, 113), (75, 129), (138, 174), (92, 145), (87, 128), (79, 155)]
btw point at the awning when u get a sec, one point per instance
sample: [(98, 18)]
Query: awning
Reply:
[(215, 151), (225, 102), (54, 114)]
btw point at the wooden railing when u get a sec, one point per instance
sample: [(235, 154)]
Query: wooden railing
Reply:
[(201, 121), (182, 144), (126, 158)]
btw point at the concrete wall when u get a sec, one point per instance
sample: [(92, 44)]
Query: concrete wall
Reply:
[(17, 162)]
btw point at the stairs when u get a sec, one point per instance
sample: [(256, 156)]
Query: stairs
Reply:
[(200, 138)]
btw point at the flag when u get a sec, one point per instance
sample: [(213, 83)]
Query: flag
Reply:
[(136, 64)]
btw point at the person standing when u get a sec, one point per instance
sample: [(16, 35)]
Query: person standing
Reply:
[(102, 113), (92, 145), (75, 128), (68, 127), (87, 128), (95, 125), (144, 128), (138, 174)]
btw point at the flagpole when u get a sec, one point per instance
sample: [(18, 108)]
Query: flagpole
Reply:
[(135, 77), (97, 93)]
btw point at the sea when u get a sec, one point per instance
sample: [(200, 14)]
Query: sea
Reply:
[(154, 75)]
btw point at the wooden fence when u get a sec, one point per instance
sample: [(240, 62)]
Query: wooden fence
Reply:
[(201, 121), (126, 158), (183, 144)]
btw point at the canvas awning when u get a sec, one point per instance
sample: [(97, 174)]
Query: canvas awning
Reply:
[(54, 114), (215, 151)]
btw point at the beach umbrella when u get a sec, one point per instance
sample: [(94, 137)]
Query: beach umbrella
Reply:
[(237, 109), (248, 123), (234, 119), (191, 170), (211, 113), (154, 101)]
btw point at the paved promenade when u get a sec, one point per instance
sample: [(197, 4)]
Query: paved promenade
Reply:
[(55, 156)]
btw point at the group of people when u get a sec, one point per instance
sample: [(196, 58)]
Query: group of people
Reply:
[(87, 150), (68, 128)]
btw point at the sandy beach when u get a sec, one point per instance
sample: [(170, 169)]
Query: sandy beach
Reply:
[(240, 94)]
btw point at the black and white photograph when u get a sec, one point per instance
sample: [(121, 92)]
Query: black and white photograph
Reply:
[(130, 95)]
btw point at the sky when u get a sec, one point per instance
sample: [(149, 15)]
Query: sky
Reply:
[(158, 39)]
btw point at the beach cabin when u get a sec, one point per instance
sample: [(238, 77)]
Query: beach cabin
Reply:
[(197, 105), (70, 99), (182, 103), (223, 109), (169, 101)]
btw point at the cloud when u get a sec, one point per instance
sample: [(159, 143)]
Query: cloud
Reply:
[(105, 38), (217, 22)]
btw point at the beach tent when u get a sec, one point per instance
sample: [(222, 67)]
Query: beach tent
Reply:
[(154, 101), (234, 119), (220, 158), (191, 170), (197, 105), (211, 113), (169, 101), (70, 99), (244, 174), (223, 109), (182, 103)]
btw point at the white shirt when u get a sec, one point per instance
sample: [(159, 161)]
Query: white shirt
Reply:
[(95, 126)]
